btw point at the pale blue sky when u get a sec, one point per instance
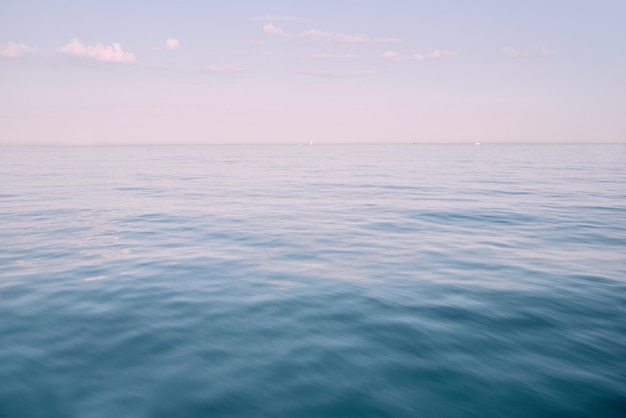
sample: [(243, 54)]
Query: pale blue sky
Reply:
[(93, 72)]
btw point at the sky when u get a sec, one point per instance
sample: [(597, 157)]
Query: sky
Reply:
[(193, 72)]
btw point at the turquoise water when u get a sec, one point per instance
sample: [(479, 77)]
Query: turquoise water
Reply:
[(313, 281)]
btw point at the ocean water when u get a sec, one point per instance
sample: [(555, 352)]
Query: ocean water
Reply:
[(313, 281)]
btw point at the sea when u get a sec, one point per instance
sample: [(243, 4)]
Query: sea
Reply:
[(313, 281)]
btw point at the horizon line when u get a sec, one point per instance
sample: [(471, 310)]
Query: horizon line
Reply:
[(307, 144)]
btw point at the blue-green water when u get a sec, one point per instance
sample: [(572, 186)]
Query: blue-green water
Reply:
[(313, 281)]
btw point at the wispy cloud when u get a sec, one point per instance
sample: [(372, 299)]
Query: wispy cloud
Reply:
[(171, 44), (441, 53), (394, 56), (533, 51), (224, 69), (14, 50), (340, 73), (98, 52), (257, 42), (274, 18), (316, 35), (399, 57), (329, 56)]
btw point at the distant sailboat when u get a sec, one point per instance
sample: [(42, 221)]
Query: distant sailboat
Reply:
[(311, 143)]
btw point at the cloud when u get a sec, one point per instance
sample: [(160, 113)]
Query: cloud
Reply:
[(399, 57), (394, 56), (223, 69), (316, 35), (329, 56), (171, 44), (273, 18), (340, 73), (257, 42), (533, 51), (98, 52), (13, 50), (441, 54)]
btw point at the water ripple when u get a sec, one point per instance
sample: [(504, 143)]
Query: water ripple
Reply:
[(382, 281)]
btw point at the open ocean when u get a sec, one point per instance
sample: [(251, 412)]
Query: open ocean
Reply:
[(313, 281)]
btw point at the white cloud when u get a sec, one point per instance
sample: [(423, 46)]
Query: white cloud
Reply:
[(340, 73), (533, 51), (13, 50), (394, 56), (216, 68), (316, 35), (171, 43), (399, 57), (257, 42), (273, 18), (98, 52), (329, 56), (441, 54)]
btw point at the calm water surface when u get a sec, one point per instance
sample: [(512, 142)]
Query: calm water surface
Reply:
[(313, 281)]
